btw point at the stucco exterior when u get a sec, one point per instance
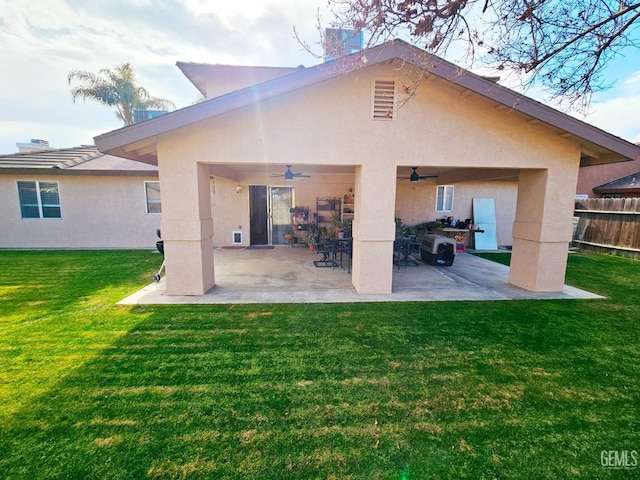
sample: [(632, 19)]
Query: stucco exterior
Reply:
[(447, 123), (97, 212), (330, 123), (415, 203), (596, 175)]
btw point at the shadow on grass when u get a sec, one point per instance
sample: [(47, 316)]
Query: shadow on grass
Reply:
[(527, 389)]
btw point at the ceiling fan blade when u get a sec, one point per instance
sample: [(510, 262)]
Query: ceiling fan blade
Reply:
[(414, 177), (289, 175)]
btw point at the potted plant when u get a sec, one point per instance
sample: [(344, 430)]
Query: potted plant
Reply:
[(312, 236), (336, 224), (348, 198)]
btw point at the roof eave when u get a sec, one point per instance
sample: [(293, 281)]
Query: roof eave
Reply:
[(71, 172), (617, 149)]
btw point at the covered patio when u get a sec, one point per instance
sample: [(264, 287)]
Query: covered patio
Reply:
[(360, 124), (288, 275)]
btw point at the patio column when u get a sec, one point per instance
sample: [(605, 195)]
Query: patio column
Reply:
[(187, 227), (374, 228), (542, 229)]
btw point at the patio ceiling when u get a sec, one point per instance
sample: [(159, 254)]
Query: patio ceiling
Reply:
[(238, 172)]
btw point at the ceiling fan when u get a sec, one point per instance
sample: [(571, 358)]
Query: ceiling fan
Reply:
[(289, 175), (414, 177)]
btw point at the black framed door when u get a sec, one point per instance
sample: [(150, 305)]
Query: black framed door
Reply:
[(270, 214), (259, 217)]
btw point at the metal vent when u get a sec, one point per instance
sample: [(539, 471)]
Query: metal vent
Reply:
[(384, 99)]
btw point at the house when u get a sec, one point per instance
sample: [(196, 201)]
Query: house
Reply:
[(608, 180), (624, 187), (231, 166), (76, 198)]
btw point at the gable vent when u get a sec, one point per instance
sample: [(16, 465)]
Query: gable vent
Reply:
[(383, 99)]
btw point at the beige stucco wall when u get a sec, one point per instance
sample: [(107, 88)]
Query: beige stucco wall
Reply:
[(229, 78), (329, 124), (231, 208), (416, 203), (596, 175), (97, 212)]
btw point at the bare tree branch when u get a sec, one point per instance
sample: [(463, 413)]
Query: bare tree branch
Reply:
[(563, 45)]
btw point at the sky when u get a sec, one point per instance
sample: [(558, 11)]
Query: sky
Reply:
[(41, 41)]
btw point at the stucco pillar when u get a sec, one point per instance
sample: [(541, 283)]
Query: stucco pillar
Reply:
[(374, 229), (187, 227), (542, 229)]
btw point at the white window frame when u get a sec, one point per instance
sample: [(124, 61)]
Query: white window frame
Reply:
[(148, 202), (441, 198), (41, 205), (375, 106)]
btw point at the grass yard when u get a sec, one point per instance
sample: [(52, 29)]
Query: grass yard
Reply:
[(478, 390)]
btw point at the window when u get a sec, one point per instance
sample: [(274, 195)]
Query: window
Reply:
[(444, 198), (383, 102), (39, 199), (152, 193)]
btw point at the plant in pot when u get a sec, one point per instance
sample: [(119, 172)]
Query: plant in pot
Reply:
[(312, 239), (336, 224), (288, 236), (348, 198), (313, 235)]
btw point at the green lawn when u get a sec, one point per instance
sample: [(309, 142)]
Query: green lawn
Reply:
[(478, 390)]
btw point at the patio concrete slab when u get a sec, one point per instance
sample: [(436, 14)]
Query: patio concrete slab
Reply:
[(288, 275)]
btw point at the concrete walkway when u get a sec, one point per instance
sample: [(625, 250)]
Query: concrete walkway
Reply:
[(288, 275)]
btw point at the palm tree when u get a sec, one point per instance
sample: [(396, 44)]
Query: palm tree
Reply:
[(116, 88)]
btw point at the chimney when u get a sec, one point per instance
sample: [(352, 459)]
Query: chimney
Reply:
[(35, 145), (340, 42)]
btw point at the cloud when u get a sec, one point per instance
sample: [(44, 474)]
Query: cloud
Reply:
[(618, 116), (44, 41)]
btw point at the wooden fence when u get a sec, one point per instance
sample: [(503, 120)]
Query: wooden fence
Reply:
[(610, 225)]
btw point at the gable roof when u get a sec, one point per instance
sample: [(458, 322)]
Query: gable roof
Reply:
[(138, 141), (628, 184), (83, 160), (200, 74)]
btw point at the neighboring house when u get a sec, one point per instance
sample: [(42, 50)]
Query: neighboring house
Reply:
[(359, 123), (76, 198), (625, 187), (608, 180)]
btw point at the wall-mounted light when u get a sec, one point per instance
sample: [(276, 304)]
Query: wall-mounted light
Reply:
[(238, 188)]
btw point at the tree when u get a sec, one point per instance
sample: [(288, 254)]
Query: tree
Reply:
[(116, 88), (562, 44)]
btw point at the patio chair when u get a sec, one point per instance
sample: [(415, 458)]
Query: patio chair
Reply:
[(344, 248), (325, 248), (403, 248)]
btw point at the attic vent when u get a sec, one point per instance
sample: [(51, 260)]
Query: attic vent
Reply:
[(383, 100)]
